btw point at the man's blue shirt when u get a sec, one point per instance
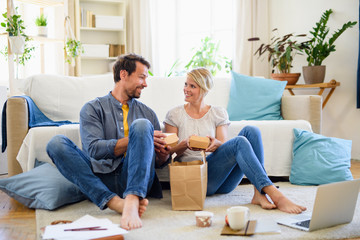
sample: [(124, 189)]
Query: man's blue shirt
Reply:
[(101, 125)]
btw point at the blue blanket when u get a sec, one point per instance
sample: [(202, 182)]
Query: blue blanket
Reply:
[(36, 119)]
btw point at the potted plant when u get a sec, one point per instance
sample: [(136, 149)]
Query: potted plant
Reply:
[(207, 56), (281, 52), (14, 25), (73, 49), (318, 48), (41, 23)]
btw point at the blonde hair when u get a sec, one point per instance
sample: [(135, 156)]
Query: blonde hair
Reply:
[(203, 78)]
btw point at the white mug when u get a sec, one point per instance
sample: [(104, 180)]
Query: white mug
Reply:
[(238, 217)]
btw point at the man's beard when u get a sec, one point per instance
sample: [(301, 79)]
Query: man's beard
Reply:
[(132, 94)]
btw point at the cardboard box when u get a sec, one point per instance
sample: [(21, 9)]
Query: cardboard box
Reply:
[(171, 139), (199, 142), (96, 50), (116, 50)]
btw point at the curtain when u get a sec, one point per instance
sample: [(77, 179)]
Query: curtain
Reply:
[(139, 39), (251, 18)]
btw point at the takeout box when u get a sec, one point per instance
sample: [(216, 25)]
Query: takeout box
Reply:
[(171, 139), (188, 184), (199, 142)]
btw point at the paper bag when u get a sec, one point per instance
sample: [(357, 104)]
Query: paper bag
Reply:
[(188, 184)]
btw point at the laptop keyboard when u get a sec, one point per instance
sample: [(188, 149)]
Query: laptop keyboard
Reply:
[(305, 224)]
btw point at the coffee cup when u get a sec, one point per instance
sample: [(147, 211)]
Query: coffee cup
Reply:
[(238, 217)]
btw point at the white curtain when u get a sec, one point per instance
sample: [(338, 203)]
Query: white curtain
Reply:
[(251, 18), (139, 39)]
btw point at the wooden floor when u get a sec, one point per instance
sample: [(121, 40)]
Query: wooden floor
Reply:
[(18, 222)]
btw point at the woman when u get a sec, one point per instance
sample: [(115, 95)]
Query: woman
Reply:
[(228, 161)]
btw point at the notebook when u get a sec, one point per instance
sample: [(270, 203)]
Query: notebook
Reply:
[(334, 204)]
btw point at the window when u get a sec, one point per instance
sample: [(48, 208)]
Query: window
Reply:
[(179, 25)]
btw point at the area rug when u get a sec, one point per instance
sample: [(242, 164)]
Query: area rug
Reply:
[(160, 222)]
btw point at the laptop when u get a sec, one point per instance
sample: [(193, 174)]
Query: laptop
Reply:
[(334, 204)]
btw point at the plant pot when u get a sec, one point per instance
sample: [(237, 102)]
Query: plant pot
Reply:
[(291, 78), (42, 31), (314, 74), (17, 44)]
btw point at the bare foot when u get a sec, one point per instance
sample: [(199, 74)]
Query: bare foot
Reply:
[(282, 203), (260, 199), (130, 216), (143, 204), (117, 204)]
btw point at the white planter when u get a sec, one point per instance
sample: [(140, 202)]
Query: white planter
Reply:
[(42, 31), (17, 44)]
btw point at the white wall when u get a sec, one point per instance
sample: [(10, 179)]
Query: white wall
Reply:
[(341, 118)]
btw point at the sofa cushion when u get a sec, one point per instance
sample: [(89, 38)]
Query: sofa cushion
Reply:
[(319, 160), (254, 98), (42, 187), (61, 98)]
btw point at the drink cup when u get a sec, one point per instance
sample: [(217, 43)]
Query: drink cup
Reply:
[(238, 217)]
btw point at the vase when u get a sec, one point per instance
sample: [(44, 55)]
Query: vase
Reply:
[(42, 31), (291, 78), (17, 44), (314, 74)]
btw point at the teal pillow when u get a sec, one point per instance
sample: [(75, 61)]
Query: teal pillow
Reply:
[(42, 187), (254, 98), (319, 160)]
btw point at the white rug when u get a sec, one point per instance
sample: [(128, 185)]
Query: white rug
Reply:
[(160, 222)]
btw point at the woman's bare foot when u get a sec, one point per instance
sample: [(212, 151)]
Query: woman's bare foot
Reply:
[(143, 204), (282, 203), (260, 199)]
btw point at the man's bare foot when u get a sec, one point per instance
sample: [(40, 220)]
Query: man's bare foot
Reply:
[(130, 216), (117, 204), (282, 203), (260, 199)]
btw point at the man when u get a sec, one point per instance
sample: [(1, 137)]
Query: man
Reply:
[(116, 168)]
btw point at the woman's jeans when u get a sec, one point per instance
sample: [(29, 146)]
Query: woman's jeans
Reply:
[(134, 175), (241, 155)]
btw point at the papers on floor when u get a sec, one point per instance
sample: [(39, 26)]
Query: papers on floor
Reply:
[(87, 221), (267, 226)]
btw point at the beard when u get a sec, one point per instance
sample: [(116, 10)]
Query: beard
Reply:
[(133, 93)]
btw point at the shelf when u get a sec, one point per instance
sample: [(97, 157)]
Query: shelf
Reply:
[(99, 58), (44, 3), (40, 38), (100, 29), (104, 1)]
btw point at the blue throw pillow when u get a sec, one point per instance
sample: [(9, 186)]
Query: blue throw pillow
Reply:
[(42, 187), (319, 160), (254, 98)]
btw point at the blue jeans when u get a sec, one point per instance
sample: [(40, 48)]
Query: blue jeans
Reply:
[(242, 155), (134, 175)]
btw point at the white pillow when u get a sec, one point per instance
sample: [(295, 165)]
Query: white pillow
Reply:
[(62, 97)]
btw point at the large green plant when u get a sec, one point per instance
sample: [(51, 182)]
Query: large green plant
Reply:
[(14, 25), (207, 56), (319, 48), (281, 51)]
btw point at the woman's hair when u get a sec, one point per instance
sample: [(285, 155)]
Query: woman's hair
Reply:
[(203, 78), (127, 63)]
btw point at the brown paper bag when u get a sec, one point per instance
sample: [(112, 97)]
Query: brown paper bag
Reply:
[(188, 184)]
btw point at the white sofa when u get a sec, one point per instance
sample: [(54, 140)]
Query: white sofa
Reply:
[(61, 98)]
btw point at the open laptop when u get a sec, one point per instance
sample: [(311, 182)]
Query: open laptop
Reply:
[(334, 204)]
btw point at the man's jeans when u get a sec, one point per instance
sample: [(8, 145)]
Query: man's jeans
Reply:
[(134, 175), (241, 155)]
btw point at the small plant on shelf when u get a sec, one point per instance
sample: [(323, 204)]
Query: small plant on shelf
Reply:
[(281, 51), (41, 21)]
